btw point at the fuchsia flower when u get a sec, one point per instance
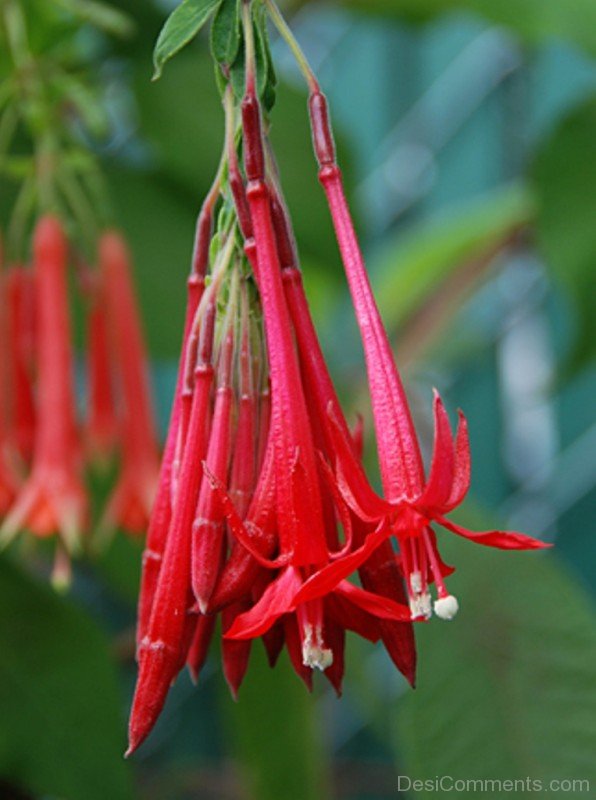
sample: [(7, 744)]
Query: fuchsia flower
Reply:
[(9, 477), (132, 497), (40, 436), (52, 499), (296, 471), (263, 509), (19, 301), (411, 503)]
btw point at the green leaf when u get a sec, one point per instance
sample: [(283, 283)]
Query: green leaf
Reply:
[(275, 733), (102, 15), (180, 28), (507, 690), (414, 266), (266, 78), (225, 32), (61, 732), (565, 177), (535, 21)]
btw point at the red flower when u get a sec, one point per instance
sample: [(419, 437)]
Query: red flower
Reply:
[(161, 514), (52, 499), (19, 297), (130, 503), (303, 547), (411, 503)]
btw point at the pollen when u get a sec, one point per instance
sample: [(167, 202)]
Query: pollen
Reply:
[(446, 607)]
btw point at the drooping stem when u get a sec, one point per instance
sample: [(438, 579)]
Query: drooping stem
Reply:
[(285, 32)]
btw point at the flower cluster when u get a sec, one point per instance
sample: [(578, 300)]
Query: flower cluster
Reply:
[(263, 508), (43, 445)]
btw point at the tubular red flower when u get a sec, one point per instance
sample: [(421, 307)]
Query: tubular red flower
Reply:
[(130, 504), (20, 332), (52, 499), (9, 478)]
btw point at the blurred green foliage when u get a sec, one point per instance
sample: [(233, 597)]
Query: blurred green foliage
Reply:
[(62, 724)]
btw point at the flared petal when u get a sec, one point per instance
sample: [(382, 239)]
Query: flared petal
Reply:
[(277, 599), (352, 617), (351, 478), (237, 526), (375, 604), (440, 481), (325, 581), (462, 469), (504, 540)]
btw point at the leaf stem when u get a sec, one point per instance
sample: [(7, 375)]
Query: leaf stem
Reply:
[(286, 34)]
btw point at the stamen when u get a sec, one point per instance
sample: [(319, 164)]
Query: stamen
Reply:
[(446, 607), (314, 654), (434, 566)]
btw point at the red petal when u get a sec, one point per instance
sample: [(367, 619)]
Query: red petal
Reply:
[(235, 654), (352, 617), (358, 436), (294, 645), (504, 540), (273, 642), (351, 478), (446, 569), (326, 579), (199, 648), (462, 471), (345, 516), (278, 598), (375, 604), (237, 526), (335, 639), (440, 480)]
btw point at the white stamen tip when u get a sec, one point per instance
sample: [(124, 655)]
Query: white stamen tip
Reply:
[(446, 607), (317, 657), (314, 655), (416, 582), (420, 606)]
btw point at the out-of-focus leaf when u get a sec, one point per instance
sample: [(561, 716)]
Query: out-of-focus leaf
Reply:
[(180, 28), (61, 733), (182, 118), (103, 16), (120, 565), (276, 735), (225, 32), (507, 690), (159, 220), (536, 22), (565, 177), (415, 265)]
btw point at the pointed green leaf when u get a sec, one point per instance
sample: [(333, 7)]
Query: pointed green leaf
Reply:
[(225, 32), (61, 730), (180, 28)]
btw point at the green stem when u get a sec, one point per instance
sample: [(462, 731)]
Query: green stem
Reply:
[(286, 34)]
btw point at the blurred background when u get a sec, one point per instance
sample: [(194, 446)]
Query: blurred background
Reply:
[(467, 130)]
